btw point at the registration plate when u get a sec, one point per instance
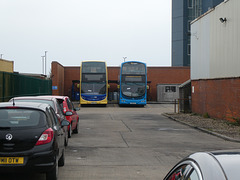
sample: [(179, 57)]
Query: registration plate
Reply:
[(11, 160), (93, 102)]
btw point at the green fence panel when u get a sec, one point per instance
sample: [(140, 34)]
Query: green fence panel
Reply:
[(13, 85)]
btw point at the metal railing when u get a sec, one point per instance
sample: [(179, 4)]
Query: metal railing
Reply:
[(183, 105)]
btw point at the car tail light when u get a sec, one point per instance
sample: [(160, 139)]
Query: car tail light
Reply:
[(12, 107), (46, 137)]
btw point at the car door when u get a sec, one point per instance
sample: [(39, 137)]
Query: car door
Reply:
[(75, 115), (58, 128)]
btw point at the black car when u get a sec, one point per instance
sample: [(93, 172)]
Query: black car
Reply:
[(52, 102), (217, 165), (31, 138)]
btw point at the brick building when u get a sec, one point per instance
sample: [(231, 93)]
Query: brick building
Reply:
[(6, 66), (215, 62), (63, 77)]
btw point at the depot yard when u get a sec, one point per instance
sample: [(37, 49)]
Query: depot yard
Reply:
[(129, 143)]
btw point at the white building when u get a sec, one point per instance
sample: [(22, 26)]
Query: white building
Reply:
[(215, 61)]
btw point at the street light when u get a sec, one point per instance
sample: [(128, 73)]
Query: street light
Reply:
[(46, 63), (124, 58), (43, 64)]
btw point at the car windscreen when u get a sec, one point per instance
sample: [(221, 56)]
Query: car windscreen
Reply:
[(21, 118), (38, 101)]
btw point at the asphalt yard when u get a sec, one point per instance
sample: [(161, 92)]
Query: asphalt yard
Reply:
[(135, 143)]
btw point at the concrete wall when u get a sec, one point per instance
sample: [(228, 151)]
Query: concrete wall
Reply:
[(215, 62), (179, 29), (6, 66)]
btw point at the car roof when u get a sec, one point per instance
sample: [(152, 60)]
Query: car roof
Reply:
[(54, 96), (30, 105), (207, 163), (225, 164), (230, 162), (33, 97)]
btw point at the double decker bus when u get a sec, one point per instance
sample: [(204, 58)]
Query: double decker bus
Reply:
[(133, 83), (93, 82)]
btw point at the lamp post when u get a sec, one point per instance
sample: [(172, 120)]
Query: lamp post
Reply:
[(43, 64), (124, 58), (46, 63)]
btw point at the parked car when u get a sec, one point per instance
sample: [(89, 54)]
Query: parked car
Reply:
[(220, 165), (52, 102), (31, 138), (70, 112)]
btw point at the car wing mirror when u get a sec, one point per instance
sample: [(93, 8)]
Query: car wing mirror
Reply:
[(68, 113), (65, 123), (77, 109)]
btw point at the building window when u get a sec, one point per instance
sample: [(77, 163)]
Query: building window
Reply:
[(189, 26), (169, 89), (189, 49), (190, 4)]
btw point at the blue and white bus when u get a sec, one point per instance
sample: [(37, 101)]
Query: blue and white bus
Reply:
[(133, 83), (93, 82)]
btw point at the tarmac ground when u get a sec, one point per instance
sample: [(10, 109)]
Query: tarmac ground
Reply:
[(129, 143)]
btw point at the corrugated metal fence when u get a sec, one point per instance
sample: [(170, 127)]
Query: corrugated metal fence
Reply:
[(13, 85)]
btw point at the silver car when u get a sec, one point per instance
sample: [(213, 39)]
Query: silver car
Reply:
[(217, 165)]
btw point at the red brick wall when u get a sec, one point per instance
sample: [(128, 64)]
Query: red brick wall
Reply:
[(71, 73), (157, 75), (57, 78), (218, 97), (113, 73), (165, 75)]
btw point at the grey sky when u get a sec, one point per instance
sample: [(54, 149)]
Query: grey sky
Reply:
[(76, 30)]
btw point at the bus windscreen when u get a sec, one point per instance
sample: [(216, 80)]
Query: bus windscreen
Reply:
[(93, 67), (133, 68), (93, 77)]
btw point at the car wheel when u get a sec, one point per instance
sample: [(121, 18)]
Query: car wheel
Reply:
[(53, 174), (61, 161), (70, 131), (76, 129)]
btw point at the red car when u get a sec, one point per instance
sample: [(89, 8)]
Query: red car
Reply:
[(70, 112)]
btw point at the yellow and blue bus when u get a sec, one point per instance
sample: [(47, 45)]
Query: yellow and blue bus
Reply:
[(133, 83), (93, 82)]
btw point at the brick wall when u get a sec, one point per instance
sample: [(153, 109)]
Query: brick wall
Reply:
[(165, 75), (63, 77), (113, 73), (218, 97), (71, 73)]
